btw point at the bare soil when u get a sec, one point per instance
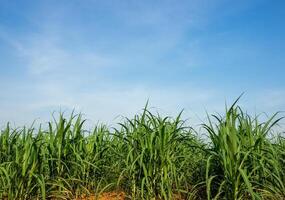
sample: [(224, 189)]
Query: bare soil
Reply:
[(106, 196)]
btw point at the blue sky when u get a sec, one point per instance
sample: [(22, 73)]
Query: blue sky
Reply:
[(106, 58)]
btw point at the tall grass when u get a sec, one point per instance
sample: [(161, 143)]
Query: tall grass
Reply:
[(148, 157), (242, 161), (155, 155)]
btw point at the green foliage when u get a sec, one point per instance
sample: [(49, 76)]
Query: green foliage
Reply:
[(243, 163), (148, 157)]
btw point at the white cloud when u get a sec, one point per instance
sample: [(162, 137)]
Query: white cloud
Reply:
[(44, 56), (103, 105), (109, 104)]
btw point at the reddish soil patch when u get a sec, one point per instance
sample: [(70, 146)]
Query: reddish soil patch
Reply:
[(112, 196), (117, 195), (107, 196)]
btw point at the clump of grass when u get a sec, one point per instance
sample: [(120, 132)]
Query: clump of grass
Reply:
[(242, 161), (154, 155), (61, 162)]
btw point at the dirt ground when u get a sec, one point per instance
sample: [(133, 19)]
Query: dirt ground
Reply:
[(112, 196), (117, 196), (107, 196)]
